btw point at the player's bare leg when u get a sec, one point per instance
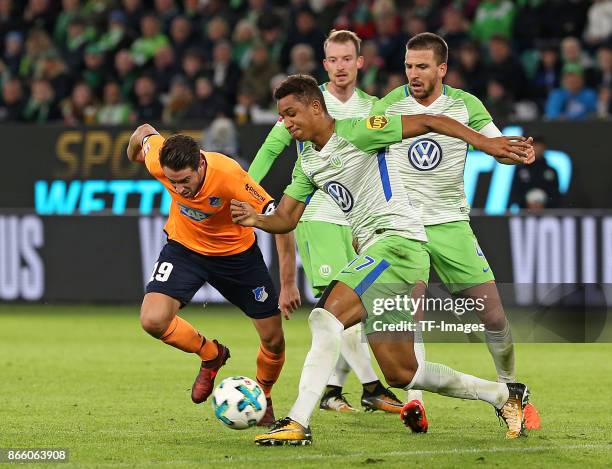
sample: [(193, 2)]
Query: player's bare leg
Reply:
[(499, 340), (270, 359), (159, 317)]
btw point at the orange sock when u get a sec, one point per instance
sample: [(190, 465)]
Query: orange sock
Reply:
[(269, 366), (185, 337)]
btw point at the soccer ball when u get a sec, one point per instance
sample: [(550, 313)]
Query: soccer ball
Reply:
[(239, 402)]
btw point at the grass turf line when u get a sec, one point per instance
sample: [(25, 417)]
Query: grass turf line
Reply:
[(89, 379)]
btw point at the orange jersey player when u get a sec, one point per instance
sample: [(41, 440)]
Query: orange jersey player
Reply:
[(205, 246)]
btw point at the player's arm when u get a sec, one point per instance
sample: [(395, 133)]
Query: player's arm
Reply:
[(514, 148), (490, 130), (283, 220), (289, 298), (286, 216), (134, 149), (276, 142)]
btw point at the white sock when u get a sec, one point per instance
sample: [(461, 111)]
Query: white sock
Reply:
[(502, 349), (340, 373), (419, 352), (355, 351), (443, 380), (323, 355)]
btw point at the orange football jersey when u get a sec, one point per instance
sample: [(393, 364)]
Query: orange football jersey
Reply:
[(204, 223)]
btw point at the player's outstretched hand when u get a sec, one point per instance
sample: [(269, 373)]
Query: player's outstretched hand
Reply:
[(513, 148), (289, 299), (243, 213), (530, 152)]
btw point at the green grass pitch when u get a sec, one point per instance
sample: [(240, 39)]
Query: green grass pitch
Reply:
[(89, 379)]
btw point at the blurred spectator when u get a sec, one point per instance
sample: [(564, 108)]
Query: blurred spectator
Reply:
[(326, 17), (166, 11), (41, 107), (599, 25), (497, 102), (572, 54), (52, 68), (38, 44), (70, 10), (13, 52), (414, 25), (114, 111), (394, 80), (192, 65), (217, 30), (391, 42), (78, 36), (116, 35), (181, 36), (12, 103), (192, 10), (548, 73), (429, 11), (572, 101), (259, 73), (163, 68), (471, 68), (247, 110), (369, 76), (271, 35), (454, 29), (506, 69), (221, 136), (223, 72), (134, 11), (148, 106), (38, 14), (80, 107), (10, 20), (604, 103), (208, 104), (152, 39), (455, 79), (602, 76), (180, 98), (493, 18), (95, 72), (536, 186), (305, 32), (357, 17), (303, 61), (125, 72), (242, 41)]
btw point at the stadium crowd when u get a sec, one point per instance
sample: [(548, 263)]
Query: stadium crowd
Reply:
[(125, 61)]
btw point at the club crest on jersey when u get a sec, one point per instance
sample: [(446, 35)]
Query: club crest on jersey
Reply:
[(260, 293), (425, 154), (377, 122), (214, 201), (340, 194), (336, 161), (193, 213)]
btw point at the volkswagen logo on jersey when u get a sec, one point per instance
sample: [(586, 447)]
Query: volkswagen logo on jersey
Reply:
[(340, 194), (425, 154)]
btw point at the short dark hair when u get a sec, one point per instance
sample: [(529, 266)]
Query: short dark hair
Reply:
[(343, 36), (179, 152), (304, 87), (430, 41)]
